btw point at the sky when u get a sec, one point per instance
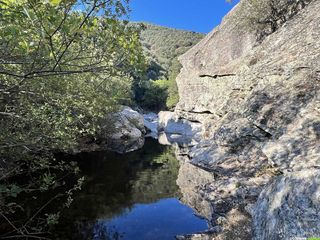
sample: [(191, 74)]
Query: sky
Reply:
[(194, 15)]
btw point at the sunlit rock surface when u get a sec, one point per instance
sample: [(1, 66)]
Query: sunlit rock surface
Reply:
[(171, 123), (259, 108), (174, 130), (289, 207)]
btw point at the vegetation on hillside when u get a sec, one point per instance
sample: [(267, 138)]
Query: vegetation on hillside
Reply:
[(162, 46), (64, 65)]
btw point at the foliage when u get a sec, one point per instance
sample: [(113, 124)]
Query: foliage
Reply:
[(173, 96), (64, 65), (160, 94), (155, 95), (268, 15), (162, 46)]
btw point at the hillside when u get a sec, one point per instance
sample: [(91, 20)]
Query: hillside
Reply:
[(163, 46)]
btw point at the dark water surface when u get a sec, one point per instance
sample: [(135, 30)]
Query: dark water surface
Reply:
[(130, 197)]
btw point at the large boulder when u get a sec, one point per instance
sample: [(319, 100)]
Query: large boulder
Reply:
[(170, 122), (128, 133), (122, 132)]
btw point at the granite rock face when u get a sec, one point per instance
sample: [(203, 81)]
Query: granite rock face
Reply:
[(289, 208), (258, 103)]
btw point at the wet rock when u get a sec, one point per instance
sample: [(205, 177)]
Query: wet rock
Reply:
[(179, 131), (128, 133), (170, 122), (176, 139), (200, 236)]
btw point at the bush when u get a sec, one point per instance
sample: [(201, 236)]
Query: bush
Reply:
[(155, 95), (267, 16), (162, 46), (61, 72)]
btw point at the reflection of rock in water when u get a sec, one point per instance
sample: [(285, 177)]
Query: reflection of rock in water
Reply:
[(191, 180)]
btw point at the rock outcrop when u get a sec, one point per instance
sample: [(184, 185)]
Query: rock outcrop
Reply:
[(127, 135), (259, 105), (129, 131), (176, 130)]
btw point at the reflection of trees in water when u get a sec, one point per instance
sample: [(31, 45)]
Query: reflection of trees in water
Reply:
[(115, 183), (102, 232), (159, 182), (92, 230)]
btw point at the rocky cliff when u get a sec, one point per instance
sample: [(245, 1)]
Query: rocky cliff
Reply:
[(259, 103)]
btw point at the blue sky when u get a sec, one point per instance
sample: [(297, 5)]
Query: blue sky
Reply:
[(194, 15)]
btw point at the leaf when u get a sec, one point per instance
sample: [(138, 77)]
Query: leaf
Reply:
[(15, 190), (55, 2)]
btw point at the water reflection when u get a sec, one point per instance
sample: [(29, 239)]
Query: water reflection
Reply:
[(190, 181), (132, 196), (161, 220)]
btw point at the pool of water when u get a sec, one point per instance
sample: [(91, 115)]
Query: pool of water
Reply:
[(130, 197)]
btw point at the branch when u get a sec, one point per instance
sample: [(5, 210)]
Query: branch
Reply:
[(40, 209), (75, 35), (9, 114)]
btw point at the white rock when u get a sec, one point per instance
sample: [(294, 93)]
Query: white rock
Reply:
[(169, 122), (151, 122)]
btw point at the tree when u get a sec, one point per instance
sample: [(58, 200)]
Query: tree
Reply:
[(64, 64), (268, 15)]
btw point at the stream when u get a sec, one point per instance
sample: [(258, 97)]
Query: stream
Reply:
[(131, 197)]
